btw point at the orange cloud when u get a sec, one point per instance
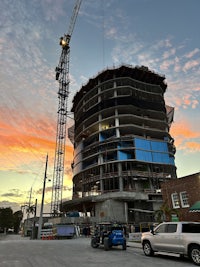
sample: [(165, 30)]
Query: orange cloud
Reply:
[(192, 146), (183, 129), (28, 143), (185, 137)]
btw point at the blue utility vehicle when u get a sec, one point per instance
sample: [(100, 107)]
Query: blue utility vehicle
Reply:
[(109, 235)]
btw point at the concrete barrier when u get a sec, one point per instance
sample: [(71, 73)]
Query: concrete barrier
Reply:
[(135, 236)]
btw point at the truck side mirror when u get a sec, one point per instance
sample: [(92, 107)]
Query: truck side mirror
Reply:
[(152, 232)]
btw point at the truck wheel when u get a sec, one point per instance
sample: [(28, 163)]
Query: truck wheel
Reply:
[(148, 251), (106, 243), (124, 245), (194, 254), (94, 243)]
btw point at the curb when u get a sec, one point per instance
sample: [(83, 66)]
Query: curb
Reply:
[(134, 244)]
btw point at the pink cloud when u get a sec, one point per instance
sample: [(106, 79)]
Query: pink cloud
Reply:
[(177, 66), (190, 64), (169, 53), (197, 89), (166, 64), (188, 101), (192, 53)]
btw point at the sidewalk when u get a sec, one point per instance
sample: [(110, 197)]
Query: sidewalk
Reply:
[(134, 244), (13, 237)]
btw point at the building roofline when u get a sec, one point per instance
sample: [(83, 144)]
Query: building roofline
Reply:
[(140, 73)]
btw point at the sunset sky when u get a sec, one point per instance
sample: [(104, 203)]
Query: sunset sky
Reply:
[(163, 35)]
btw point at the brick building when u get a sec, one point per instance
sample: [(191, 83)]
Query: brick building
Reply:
[(181, 194)]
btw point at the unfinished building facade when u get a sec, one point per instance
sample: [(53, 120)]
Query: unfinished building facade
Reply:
[(122, 146)]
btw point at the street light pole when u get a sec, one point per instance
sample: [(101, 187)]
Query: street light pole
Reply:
[(42, 203)]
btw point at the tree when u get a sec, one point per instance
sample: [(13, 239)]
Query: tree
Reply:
[(164, 213), (31, 209), (17, 218), (6, 218)]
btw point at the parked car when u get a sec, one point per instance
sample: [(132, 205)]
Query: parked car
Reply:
[(174, 237)]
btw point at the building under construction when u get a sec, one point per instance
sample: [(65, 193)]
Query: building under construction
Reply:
[(122, 146)]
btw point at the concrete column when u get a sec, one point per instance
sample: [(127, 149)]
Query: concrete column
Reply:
[(84, 209), (100, 126), (120, 176), (101, 181), (117, 123), (150, 177), (99, 96), (126, 212)]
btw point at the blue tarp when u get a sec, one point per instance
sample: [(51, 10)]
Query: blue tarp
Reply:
[(152, 151)]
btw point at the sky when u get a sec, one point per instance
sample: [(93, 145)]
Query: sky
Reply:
[(163, 35)]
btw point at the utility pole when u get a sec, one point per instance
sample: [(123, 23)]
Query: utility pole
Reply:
[(34, 221), (42, 203), (29, 204)]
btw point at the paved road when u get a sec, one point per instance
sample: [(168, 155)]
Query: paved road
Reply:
[(16, 251)]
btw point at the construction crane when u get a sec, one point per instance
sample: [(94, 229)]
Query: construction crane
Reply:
[(62, 76)]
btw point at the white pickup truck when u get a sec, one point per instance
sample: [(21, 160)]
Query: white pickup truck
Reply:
[(174, 237)]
